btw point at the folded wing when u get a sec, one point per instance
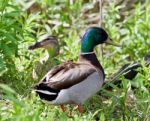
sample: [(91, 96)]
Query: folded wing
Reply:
[(67, 75)]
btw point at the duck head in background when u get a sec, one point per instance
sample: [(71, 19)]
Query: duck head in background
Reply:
[(43, 65), (50, 43)]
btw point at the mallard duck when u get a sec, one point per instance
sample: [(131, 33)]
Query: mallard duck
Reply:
[(75, 82), (50, 43), (129, 70)]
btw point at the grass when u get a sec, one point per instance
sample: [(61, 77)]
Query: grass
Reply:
[(21, 26)]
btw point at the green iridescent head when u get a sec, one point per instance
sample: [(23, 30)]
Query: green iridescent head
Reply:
[(93, 37)]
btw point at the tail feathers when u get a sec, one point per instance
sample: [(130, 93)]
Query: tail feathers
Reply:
[(45, 92)]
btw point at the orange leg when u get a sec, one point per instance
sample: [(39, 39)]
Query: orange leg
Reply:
[(80, 108), (62, 108)]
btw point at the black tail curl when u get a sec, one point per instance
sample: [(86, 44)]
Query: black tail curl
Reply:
[(41, 88)]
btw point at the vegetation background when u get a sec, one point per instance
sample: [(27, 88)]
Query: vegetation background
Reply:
[(23, 21)]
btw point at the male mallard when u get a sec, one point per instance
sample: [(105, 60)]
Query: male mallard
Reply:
[(49, 43), (73, 83)]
